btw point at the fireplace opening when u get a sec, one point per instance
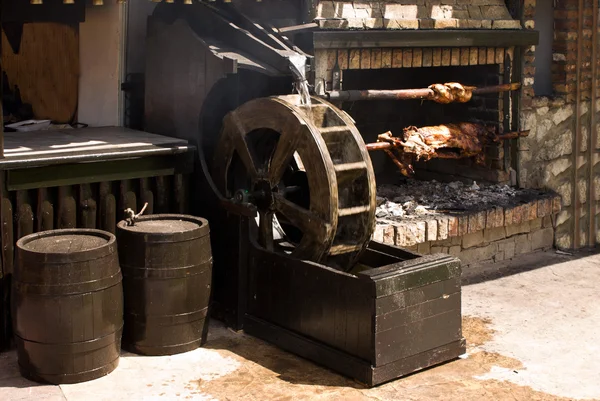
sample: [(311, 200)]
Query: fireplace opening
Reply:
[(375, 117)]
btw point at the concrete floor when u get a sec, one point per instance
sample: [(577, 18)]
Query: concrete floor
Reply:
[(532, 328)]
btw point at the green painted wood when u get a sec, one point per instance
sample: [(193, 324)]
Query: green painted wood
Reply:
[(86, 173)]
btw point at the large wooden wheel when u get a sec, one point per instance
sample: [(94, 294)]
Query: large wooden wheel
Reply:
[(307, 171)]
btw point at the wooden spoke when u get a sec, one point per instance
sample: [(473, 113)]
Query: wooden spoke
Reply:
[(284, 152), (265, 230), (240, 144), (304, 219)]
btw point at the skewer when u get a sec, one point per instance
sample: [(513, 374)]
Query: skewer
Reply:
[(408, 94)]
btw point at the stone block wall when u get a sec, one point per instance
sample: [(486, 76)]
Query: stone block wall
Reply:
[(561, 150)]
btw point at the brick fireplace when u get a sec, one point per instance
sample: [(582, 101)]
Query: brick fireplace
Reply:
[(413, 44)]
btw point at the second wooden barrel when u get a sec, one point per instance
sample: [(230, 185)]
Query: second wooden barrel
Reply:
[(167, 271), (67, 305)]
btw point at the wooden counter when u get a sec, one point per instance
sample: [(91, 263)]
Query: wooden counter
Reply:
[(39, 159)]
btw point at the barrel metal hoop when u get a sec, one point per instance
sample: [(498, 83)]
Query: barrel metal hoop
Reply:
[(76, 347), (168, 273), (69, 289), (168, 320)]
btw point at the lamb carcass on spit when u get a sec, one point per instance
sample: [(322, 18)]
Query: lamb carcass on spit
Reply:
[(448, 141)]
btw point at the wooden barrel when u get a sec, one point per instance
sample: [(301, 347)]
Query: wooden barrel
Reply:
[(67, 305), (167, 270)]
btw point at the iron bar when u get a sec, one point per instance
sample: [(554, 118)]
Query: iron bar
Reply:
[(409, 94)]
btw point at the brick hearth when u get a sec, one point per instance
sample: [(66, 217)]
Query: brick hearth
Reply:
[(492, 235)]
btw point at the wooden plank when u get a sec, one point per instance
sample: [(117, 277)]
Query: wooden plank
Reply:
[(437, 57), (8, 241), (45, 210), (72, 141), (24, 215), (127, 198), (162, 190), (67, 208), (354, 63), (397, 58), (408, 275), (404, 299), (455, 57), (180, 193), (146, 196), (85, 173), (46, 69), (414, 313), (107, 210), (427, 57), (404, 341), (87, 206), (414, 363), (386, 58)]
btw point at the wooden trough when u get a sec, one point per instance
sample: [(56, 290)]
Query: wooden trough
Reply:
[(399, 315)]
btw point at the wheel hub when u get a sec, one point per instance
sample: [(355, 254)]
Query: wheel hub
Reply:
[(262, 195)]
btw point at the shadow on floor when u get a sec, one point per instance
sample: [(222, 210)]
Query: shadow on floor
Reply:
[(523, 263), (286, 366)]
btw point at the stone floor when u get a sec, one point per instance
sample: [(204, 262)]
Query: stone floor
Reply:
[(532, 327)]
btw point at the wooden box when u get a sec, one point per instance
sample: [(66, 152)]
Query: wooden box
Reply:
[(401, 314)]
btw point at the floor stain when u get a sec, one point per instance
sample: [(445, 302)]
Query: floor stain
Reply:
[(476, 330), (266, 373)]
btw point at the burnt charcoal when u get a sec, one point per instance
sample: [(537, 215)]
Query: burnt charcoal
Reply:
[(417, 199)]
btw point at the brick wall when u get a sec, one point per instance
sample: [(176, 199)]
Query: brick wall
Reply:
[(415, 14)]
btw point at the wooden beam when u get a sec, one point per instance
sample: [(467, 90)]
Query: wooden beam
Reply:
[(425, 38)]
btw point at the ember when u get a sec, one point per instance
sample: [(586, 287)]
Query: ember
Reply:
[(414, 198)]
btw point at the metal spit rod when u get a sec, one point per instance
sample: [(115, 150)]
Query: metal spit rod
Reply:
[(408, 94)]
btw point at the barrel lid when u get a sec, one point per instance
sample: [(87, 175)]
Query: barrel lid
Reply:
[(65, 243), (164, 226), (167, 224), (69, 244)]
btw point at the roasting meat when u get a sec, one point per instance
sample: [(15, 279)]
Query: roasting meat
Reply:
[(448, 141), (451, 92), (458, 140)]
